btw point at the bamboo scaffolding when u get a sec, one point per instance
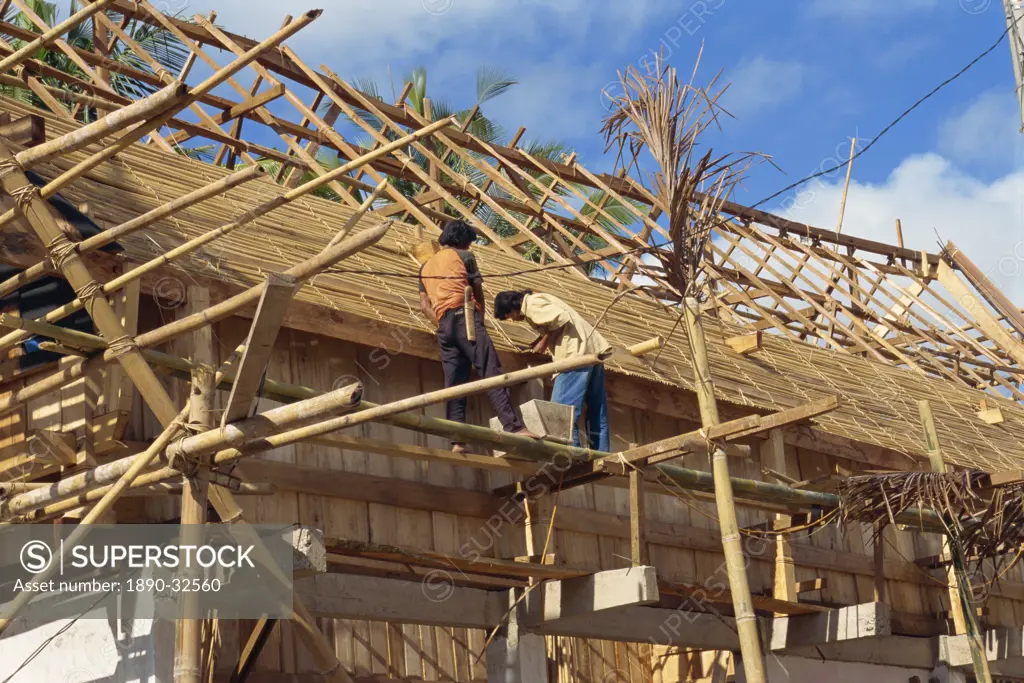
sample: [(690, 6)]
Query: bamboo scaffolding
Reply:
[(33, 273), (264, 432), (195, 494), (26, 51), (302, 272), (10, 340), (960, 606), (115, 121), (739, 586), (194, 95)]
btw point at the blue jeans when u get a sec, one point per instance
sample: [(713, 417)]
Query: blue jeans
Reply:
[(586, 385)]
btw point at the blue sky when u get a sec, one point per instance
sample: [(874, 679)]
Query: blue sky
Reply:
[(805, 78)]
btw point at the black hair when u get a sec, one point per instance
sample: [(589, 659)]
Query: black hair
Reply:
[(457, 233), (509, 302)]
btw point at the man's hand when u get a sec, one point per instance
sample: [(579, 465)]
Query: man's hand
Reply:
[(427, 307), (541, 345)]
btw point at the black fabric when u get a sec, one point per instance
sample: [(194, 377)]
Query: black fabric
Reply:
[(468, 259), (459, 355), (38, 298), (473, 275)]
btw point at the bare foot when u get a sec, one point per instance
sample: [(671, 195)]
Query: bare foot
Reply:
[(526, 432), (459, 448)]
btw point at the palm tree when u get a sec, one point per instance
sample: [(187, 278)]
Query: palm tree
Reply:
[(490, 83)]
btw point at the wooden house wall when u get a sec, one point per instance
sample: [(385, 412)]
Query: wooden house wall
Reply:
[(683, 534)]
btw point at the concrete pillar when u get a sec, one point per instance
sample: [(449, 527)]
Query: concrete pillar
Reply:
[(515, 657)]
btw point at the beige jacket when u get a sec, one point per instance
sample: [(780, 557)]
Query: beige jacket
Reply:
[(572, 335)]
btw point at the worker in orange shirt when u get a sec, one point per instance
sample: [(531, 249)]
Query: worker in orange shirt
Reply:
[(443, 281)]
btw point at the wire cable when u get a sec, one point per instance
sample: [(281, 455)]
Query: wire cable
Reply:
[(889, 127)]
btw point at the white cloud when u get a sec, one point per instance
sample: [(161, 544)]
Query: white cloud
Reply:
[(762, 83), (357, 35), (933, 196), (987, 131), (868, 9)]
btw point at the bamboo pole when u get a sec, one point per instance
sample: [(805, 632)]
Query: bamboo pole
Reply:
[(28, 50), (265, 429), (99, 240), (846, 186), (82, 530), (645, 347), (190, 448), (188, 632), (195, 494), (39, 215), (302, 271), (194, 95), (959, 606), (469, 313), (746, 620), (363, 208), (97, 130), (11, 340)]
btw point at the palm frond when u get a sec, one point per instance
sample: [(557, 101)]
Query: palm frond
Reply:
[(492, 82)]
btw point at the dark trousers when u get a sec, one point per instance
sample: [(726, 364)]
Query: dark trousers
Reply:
[(458, 355)]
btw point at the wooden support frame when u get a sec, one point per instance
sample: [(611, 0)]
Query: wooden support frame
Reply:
[(277, 293)]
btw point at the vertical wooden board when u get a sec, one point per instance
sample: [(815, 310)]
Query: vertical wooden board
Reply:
[(477, 661), (362, 648), (385, 641), (346, 519), (579, 550), (283, 506), (72, 406), (613, 553), (340, 364), (374, 389), (432, 379), (343, 644), (710, 568), (620, 427), (228, 648), (677, 564)]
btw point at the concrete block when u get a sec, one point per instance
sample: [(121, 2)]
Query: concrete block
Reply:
[(309, 554), (551, 421)]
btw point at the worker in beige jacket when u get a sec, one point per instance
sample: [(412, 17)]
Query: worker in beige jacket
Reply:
[(565, 334)]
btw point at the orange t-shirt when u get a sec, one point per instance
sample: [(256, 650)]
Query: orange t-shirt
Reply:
[(444, 278)]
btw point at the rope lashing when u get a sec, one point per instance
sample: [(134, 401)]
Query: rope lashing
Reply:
[(88, 293), (61, 251), (122, 345)]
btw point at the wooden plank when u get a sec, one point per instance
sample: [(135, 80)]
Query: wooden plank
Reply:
[(987, 288), (992, 328), (745, 344), (27, 131), (731, 430), (373, 488), (277, 293)]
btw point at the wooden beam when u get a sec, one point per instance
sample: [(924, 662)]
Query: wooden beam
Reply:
[(252, 649), (666, 627), (637, 519), (985, 321), (434, 602), (26, 131), (986, 288), (750, 425), (745, 344), (277, 293)]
